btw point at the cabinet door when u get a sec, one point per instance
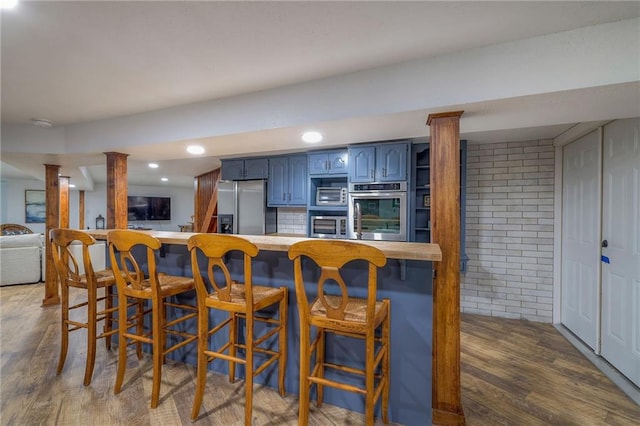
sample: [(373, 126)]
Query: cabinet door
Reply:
[(337, 162), (362, 164), (232, 169), (391, 162), (318, 163), (277, 184), (297, 195), (256, 168)]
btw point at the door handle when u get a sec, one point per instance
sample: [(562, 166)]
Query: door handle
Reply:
[(605, 243)]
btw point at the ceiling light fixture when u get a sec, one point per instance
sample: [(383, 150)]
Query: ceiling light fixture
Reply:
[(71, 185), (8, 4), (153, 165), (41, 122), (164, 179), (312, 136), (195, 149)]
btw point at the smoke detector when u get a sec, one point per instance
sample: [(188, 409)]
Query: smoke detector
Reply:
[(41, 122)]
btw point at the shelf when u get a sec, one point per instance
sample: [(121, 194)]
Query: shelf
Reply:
[(423, 208), (423, 229), (328, 208)]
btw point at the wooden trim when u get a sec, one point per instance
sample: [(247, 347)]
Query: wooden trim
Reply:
[(445, 231), (64, 201), (116, 190), (81, 209), (206, 202), (52, 194)]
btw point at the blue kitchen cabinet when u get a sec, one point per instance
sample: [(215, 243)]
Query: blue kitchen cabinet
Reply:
[(245, 169), (328, 162), (287, 184), (379, 162)]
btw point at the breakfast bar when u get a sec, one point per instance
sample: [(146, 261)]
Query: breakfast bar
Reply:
[(406, 280)]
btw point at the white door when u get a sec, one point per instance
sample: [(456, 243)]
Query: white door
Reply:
[(621, 256), (581, 238)]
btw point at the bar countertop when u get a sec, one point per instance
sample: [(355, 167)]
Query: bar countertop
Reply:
[(391, 249)]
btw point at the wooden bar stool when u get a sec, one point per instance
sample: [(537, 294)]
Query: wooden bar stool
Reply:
[(136, 283), (240, 300), (71, 275), (345, 316)]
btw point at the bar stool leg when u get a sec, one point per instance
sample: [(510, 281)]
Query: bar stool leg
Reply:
[(92, 307), (282, 341), (158, 349), (122, 343), (64, 341), (248, 385), (369, 376), (108, 318), (386, 338), (233, 341), (303, 406), (320, 352), (201, 374)]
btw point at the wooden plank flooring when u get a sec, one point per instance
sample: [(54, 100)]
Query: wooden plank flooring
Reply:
[(526, 373), (32, 394), (513, 373)]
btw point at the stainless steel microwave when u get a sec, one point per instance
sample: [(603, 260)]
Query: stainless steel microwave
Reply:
[(328, 227), (334, 196)]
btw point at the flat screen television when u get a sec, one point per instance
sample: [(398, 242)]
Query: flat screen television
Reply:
[(148, 208)]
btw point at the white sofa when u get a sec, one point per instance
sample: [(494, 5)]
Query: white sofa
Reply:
[(22, 256), (21, 259)]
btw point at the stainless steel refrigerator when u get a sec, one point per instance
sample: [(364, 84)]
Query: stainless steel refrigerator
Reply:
[(242, 208)]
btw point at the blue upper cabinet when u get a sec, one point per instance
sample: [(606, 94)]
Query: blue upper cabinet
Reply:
[(287, 185), (245, 169), (391, 162), (278, 183), (362, 164), (378, 163), (328, 162)]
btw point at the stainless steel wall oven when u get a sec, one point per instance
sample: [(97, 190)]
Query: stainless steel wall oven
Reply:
[(378, 211)]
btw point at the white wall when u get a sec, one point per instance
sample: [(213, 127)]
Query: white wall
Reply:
[(12, 200), (509, 240)]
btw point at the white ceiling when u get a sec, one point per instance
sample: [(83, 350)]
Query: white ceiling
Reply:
[(85, 63)]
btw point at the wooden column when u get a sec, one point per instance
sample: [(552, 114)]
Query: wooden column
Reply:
[(445, 231), (63, 182), (116, 190), (81, 209), (52, 195)]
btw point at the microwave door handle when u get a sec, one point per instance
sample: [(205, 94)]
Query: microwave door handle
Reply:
[(358, 211)]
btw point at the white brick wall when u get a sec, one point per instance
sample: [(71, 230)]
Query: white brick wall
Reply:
[(292, 220), (509, 234)]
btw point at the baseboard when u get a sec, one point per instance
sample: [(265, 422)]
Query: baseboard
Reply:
[(630, 389)]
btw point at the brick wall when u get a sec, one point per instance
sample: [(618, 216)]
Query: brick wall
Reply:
[(509, 237)]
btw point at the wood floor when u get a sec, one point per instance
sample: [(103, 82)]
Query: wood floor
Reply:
[(526, 373), (513, 373)]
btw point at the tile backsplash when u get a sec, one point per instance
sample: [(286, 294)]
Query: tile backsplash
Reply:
[(292, 220)]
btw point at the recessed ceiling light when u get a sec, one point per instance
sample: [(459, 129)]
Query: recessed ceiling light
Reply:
[(153, 165), (41, 122), (164, 179), (312, 137), (8, 4), (195, 149)]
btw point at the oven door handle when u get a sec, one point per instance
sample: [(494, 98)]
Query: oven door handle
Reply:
[(356, 207)]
